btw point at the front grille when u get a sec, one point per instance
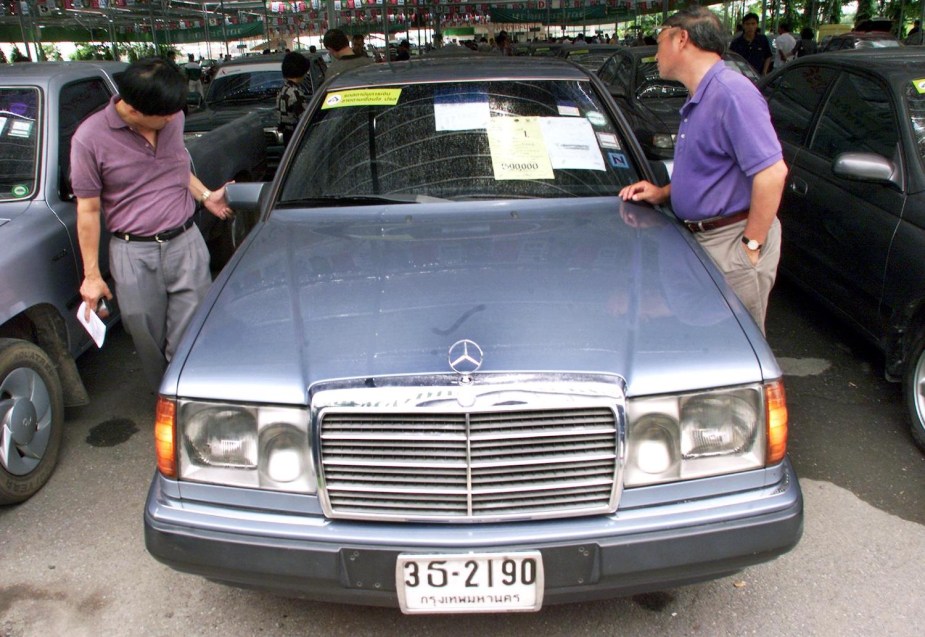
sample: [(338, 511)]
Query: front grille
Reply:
[(475, 466)]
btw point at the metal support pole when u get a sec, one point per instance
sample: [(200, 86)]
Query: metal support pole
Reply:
[(224, 31), (205, 30)]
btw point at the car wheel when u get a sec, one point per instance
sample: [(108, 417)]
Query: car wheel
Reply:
[(31, 419), (915, 391)]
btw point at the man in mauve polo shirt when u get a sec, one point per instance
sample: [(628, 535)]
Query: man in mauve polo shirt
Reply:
[(729, 171), (128, 161)]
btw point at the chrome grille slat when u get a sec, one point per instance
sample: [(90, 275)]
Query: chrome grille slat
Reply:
[(512, 463)]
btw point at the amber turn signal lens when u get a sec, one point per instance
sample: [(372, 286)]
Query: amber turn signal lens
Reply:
[(776, 404), (165, 435)]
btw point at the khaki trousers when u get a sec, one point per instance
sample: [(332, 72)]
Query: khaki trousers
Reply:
[(752, 284)]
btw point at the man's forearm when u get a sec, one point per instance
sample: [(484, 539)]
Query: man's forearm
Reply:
[(88, 235), (767, 190)]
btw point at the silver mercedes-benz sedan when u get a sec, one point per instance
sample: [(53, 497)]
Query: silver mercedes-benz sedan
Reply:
[(451, 371)]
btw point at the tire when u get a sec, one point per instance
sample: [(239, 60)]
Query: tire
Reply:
[(914, 390), (31, 419)]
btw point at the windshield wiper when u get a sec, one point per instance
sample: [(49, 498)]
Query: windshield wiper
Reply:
[(359, 200)]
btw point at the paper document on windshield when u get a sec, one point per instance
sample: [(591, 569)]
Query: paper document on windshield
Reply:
[(95, 327)]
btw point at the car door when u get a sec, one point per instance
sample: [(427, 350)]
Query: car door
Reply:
[(843, 227), (793, 98), (74, 102)]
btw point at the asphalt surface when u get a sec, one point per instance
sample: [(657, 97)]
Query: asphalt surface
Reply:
[(73, 562)]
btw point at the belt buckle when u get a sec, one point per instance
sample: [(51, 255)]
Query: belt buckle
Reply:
[(157, 238)]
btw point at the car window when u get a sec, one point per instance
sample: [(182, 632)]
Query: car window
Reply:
[(608, 71), (915, 102), (461, 140), (245, 87), (793, 97), (19, 135), (77, 101), (857, 117)]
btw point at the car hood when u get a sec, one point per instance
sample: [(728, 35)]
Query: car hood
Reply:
[(214, 116), (548, 286)]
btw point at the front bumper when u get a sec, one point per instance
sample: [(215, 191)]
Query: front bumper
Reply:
[(645, 546)]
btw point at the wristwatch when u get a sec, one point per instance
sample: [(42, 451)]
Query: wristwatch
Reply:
[(751, 244), (204, 197)]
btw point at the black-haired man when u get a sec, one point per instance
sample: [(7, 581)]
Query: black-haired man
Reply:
[(337, 44), (128, 161)]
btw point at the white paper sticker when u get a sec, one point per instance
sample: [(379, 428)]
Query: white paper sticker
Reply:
[(569, 111), (571, 143), (608, 140), (518, 150), (20, 128), (461, 112)]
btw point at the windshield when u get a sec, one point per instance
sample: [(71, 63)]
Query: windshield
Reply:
[(19, 135), (245, 87), (506, 139)]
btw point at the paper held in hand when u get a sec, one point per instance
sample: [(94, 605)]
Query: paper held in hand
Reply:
[(95, 327)]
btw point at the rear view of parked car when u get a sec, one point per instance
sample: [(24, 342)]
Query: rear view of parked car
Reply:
[(852, 125)]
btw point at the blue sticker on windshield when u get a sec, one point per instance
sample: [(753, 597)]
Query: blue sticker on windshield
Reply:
[(617, 160)]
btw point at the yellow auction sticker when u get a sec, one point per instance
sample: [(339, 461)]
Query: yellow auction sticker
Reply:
[(919, 86), (362, 97)]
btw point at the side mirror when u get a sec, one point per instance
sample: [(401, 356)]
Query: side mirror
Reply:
[(869, 167), (247, 197)]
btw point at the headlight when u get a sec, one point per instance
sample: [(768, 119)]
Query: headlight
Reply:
[(663, 140), (697, 435), (247, 446)]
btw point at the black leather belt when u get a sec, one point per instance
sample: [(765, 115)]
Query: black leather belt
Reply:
[(716, 222), (160, 237)]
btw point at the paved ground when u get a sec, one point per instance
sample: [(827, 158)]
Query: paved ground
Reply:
[(72, 559)]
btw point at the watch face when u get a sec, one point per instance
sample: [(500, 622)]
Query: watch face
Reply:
[(753, 245)]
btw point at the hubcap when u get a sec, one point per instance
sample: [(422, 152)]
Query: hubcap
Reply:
[(919, 389), (25, 421)]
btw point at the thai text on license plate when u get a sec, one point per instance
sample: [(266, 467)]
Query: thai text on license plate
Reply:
[(470, 582)]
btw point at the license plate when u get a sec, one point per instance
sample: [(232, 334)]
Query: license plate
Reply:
[(470, 582)]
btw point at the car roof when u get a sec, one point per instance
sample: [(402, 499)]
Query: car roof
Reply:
[(477, 67), (896, 62), (41, 72)]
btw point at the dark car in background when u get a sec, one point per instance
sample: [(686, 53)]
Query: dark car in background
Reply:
[(451, 371), (852, 126), (650, 103), (249, 85), (590, 56), (861, 40)]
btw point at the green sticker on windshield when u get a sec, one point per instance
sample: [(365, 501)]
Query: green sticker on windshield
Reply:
[(19, 190), (919, 86), (362, 97), (648, 60)]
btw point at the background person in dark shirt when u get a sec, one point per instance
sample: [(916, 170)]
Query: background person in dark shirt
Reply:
[(753, 46)]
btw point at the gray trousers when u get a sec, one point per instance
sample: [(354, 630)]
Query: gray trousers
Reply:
[(158, 287), (752, 284)]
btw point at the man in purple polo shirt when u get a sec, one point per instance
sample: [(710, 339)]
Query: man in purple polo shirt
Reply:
[(128, 161), (729, 170)]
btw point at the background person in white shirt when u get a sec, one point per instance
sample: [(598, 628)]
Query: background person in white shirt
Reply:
[(784, 44)]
